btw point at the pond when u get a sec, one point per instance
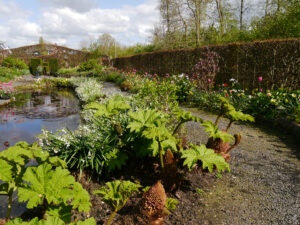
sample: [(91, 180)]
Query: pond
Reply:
[(32, 111), (27, 115)]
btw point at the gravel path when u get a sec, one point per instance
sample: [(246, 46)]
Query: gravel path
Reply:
[(264, 184), (112, 89)]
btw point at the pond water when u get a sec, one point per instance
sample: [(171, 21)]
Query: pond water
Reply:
[(24, 119), (33, 111)]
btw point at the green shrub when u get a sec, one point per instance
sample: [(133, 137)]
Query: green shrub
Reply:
[(54, 66), (33, 65), (7, 74), (11, 62), (63, 71), (157, 95), (89, 65), (112, 77)]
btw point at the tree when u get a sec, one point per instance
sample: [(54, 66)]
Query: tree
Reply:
[(280, 24), (242, 10), (41, 41), (198, 12), (107, 45)]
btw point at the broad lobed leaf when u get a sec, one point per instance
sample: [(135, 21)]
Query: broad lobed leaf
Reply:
[(208, 157)]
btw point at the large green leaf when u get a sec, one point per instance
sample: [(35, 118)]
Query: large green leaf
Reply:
[(81, 198), (238, 115), (215, 133), (20, 153), (118, 193), (208, 157), (145, 119), (62, 211), (51, 220), (160, 135), (111, 107), (90, 221), (5, 170), (19, 221), (225, 105), (54, 186), (115, 160), (185, 116)]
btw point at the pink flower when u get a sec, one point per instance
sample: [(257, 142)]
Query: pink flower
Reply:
[(260, 79), (209, 80), (260, 90), (269, 94)]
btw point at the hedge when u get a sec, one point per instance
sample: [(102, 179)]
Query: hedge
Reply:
[(33, 65), (54, 66), (66, 56), (277, 61), (46, 68)]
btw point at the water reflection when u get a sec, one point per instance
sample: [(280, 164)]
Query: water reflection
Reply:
[(33, 111), (24, 119)]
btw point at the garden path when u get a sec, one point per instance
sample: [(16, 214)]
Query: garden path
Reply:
[(263, 186)]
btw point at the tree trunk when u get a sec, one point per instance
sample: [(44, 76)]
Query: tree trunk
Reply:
[(221, 15), (241, 15)]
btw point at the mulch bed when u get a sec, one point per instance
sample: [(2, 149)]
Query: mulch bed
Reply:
[(189, 201)]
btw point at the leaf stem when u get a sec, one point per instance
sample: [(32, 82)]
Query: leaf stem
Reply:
[(10, 195), (177, 127), (110, 219), (228, 126), (161, 157)]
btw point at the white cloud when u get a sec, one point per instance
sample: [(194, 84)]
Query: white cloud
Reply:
[(63, 24), (127, 24), (78, 5), (10, 9)]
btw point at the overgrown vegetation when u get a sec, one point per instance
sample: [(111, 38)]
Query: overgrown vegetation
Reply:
[(11, 68), (15, 63)]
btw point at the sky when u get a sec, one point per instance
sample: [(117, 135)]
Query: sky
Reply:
[(68, 22)]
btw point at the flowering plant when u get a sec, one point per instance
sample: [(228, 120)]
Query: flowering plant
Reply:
[(204, 72), (184, 86), (6, 90)]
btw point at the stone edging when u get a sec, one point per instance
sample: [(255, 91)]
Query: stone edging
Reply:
[(4, 102)]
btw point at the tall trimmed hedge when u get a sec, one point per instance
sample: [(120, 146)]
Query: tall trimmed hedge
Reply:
[(54, 66), (33, 65), (277, 61), (46, 68)]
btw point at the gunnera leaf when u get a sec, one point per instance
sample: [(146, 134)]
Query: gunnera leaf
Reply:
[(44, 183), (208, 157)]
